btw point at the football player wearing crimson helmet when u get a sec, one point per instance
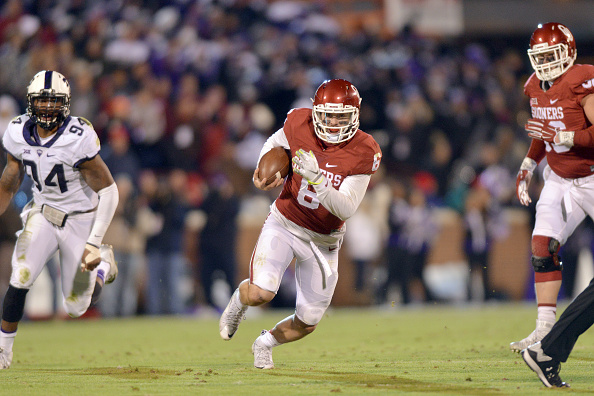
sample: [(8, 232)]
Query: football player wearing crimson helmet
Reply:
[(336, 107), (562, 108), (332, 165), (74, 200)]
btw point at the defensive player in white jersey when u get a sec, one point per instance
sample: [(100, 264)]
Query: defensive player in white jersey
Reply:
[(562, 104), (333, 164), (74, 199)]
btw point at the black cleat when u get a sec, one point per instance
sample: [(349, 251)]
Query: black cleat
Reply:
[(544, 366)]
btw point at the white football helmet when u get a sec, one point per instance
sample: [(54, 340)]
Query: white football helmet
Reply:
[(48, 99)]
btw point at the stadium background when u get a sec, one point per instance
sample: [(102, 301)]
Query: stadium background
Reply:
[(183, 93)]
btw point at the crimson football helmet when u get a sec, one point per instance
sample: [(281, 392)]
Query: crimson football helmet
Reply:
[(336, 106), (48, 99), (552, 50)]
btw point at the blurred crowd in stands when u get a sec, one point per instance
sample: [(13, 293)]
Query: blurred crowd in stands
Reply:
[(183, 94)]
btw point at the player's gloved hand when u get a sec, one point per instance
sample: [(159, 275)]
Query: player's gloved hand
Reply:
[(91, 258), (523, 180), (306, 165), (542, 130)]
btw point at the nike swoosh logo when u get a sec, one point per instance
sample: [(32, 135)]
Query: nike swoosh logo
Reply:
[(332, 248), (553, 101), (51, 155), (330, 166)]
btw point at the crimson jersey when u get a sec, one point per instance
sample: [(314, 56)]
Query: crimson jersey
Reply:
[(297, 201), (561, 106)]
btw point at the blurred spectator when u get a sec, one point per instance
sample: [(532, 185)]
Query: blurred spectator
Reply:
[(478, 240), (117, 155), (128, 247), (166, 263), (218, 242), (367, 233), (412, 232), (9, 109)]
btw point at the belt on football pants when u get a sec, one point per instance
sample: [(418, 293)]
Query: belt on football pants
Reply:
[(58, 217)]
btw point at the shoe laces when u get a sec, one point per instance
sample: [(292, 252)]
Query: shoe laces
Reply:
[(236, 318), (263, 353)]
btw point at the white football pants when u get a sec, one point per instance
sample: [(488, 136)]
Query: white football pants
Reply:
[(316, 269), (563, 205), (39, 240)]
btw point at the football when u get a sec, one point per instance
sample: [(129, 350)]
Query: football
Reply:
[(275, 164)]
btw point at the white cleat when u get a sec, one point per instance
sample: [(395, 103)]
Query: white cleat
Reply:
[(108, 257), (231, 317), (262, 355), (5, 359), (542, 329)]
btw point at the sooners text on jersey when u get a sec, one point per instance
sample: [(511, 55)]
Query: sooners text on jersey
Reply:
[(561, 106), (298, 201)]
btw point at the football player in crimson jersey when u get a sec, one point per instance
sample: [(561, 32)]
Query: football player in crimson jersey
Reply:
[(333, 164), (562, 105), (74, 199)]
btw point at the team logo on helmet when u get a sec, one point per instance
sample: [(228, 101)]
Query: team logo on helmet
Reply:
[(566, 32)]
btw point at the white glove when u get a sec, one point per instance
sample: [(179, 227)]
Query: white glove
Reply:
[(541, 130), (307, 166), (523, 180)]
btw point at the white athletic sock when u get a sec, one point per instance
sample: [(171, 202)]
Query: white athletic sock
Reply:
[(267, 339), (103, 266), (547, 313), (6, 340)]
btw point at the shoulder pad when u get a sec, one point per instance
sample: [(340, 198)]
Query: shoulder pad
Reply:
[(86, 121)]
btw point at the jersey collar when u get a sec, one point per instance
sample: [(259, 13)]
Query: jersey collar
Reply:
[(32, 138)]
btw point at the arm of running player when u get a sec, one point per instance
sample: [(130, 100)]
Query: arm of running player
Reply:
[(10, 181), (343, 203), (99, 178), (586, 137), (536, 153), (276, 139)]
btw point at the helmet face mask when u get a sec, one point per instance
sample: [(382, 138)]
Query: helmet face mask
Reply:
[(48, 99), (552, 51), (336, 111)]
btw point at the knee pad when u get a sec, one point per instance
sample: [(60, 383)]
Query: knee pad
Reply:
[(310, 314), (14, 304), (545, 256), (545, 264)]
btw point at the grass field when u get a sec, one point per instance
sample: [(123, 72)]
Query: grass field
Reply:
[(429, 350)]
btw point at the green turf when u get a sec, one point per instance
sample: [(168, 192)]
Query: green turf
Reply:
[(436, 350)]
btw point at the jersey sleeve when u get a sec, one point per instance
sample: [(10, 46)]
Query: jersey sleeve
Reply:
[(584, 84), (275, 140), (370, 157), (88, 145), (9, 143)]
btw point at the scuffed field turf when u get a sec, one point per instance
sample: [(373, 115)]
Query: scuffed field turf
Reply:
[(429, 350)]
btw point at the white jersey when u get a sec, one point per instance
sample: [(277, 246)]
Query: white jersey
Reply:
[(53, 164)]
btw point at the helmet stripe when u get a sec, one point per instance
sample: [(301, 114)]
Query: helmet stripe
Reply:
[(48, 79)]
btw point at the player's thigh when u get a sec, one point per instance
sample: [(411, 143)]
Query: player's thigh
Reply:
[(559, 210), (272, 255), (72, 240), (586, 194), (315, 281), (35, 244)]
